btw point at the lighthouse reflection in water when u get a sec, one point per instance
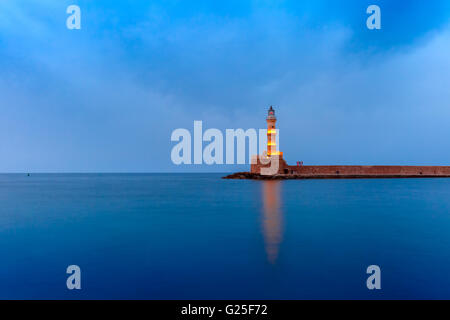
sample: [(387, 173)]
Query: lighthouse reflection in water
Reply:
[(272, 218)]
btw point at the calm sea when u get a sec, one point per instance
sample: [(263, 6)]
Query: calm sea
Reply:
[(196, 236)]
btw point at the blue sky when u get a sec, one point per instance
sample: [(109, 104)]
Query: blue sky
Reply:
[(107, 97)]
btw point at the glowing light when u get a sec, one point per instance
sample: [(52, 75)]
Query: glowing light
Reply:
[(275, 153), (271, 131), (271, 143)]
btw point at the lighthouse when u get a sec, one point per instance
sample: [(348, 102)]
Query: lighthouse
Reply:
[(271, 133), (271, 159)]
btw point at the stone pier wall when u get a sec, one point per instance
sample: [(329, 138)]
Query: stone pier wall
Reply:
[(370, 170), (350, 171)]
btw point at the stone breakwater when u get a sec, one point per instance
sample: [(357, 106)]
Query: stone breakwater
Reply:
[(257, 176)]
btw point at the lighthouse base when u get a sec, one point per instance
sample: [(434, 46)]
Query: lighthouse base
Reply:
[(269, 165)]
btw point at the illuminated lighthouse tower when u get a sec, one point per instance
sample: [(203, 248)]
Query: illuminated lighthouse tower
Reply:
[(271, 133), (270, 162)]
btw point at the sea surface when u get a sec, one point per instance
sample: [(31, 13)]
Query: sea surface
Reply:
[(196, 236)]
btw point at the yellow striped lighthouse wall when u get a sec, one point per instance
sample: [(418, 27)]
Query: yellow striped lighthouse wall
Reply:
[(271, 137)]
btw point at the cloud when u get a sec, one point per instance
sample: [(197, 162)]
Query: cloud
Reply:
[(391, 110), (107, 98)]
